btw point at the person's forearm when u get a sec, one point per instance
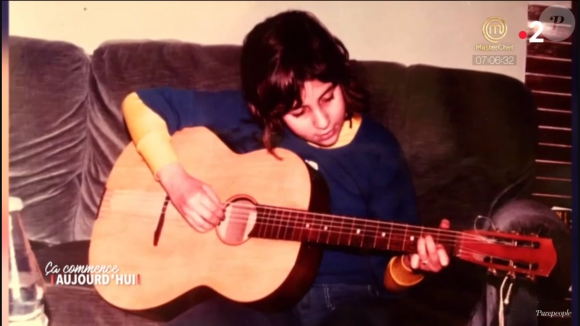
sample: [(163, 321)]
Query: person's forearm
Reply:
[(399, 275), (149, 133)]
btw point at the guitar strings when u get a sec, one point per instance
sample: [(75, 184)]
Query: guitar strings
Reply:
[(268, 220), (277, 221), (354, 220), (395, 234), (462, 251)]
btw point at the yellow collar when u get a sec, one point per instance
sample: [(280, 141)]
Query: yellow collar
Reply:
[(347, 133)]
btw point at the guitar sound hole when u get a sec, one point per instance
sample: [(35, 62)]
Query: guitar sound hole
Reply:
[(240, 219)]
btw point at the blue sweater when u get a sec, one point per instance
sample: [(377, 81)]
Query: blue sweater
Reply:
[(367, 178)]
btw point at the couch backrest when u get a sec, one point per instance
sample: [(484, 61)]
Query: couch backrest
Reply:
[(468, 135), (49, 99)]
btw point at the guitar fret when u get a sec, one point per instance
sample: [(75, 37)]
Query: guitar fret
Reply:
[(350, 231), (376, 236), (390, 236), (323, 229), (264, 217), (370, 236), (293, 226), (277, 223), (341, 232), (279, 220), (271, 222), (329, 231), (309, 227), (290, 225), (287, 225), (316, 227), (267, 224), (404, 239), (380, 238), (319, 230), (299, 225), (284, 220), (413, 237), (308, 223), (263, 231), (259, 223), (362, 233)]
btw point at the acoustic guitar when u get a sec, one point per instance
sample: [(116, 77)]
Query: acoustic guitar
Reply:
[(267, 249)]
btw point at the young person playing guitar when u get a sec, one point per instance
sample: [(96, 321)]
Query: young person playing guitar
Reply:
[(297, 94)]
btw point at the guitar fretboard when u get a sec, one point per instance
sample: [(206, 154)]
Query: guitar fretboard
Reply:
[(292, 225)]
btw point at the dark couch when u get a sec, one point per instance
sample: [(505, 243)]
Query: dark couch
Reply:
[(469, 138)]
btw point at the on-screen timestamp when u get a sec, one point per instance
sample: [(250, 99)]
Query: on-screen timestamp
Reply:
[(494, 60)]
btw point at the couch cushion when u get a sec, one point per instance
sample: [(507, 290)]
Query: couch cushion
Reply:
[(49, 97)]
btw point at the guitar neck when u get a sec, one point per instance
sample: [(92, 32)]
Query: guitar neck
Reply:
[(293, 225)]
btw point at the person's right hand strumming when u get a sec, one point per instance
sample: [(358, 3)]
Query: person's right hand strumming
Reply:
[(195, 200)]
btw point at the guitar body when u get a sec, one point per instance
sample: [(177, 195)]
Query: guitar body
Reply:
[(185, 266)]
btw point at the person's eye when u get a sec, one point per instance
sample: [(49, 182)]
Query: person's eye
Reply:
[(327, 99), (297, 112)]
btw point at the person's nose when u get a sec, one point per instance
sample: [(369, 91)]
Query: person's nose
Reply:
[(321, 120)]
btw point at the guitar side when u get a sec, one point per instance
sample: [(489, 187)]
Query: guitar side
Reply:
[(185, 266)]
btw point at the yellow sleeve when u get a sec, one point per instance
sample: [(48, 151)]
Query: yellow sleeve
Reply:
[(399, 277), (149, 133)]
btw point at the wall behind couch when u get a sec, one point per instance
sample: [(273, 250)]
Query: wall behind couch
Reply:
[(434, 33)]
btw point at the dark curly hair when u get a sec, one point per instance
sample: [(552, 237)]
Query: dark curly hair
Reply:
[(283, 52)]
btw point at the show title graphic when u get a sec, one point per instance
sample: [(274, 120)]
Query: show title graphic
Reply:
[(89, 275)]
